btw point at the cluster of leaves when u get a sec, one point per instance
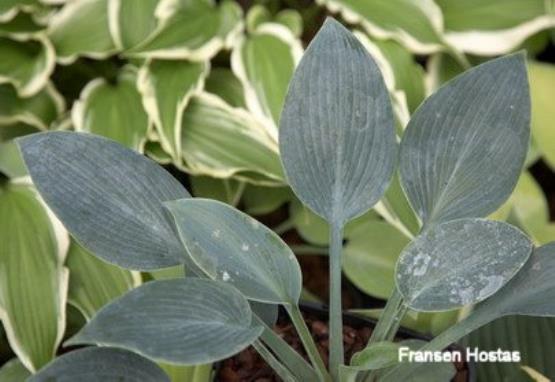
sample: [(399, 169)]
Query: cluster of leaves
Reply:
[(167, 90)]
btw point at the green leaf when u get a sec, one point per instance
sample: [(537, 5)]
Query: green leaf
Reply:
[(223, 83), (378, 355), (292, 19), (39, 110), (232, 246), (494, 27), (94, 283), (264, 200), (420, 33), (211, 318), (460, 262), (26, 63), (131, 22), (194, 31), (14, 371), (370, 257), (220, 141), (166, 88), (109, 197), (23, 23), (113, 110), (33, 288), (106, 364), (199, 373), (346, 120), (265, 84), (464, 148), (224, 190), (542, 81), (82, 28), (532, 336)]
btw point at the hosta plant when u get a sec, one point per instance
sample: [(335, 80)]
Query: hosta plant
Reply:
[(458, 160)]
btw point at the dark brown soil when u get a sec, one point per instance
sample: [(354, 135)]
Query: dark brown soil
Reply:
[(248, 366)]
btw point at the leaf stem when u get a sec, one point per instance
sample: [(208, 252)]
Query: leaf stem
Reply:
[(308, 341), (390, 318), (271, 360), (284, 226), (336, 310), (305, 249)]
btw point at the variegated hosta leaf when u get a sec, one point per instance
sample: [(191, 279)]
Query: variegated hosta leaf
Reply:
[(94, 283), (23, 23), (194, 30), (265, 84), (235, 248), (460, 262), (39, 110), (166, 87), (336, 137), (419, 33), (184, 321), (109, 197), (81, 28), (264, 200), (370, 257), (197, 373), (26, 63), (223, 83), (131, 22), (113, 110), (220, 141), (490, 28), (33, 282), (14, 371), (464, 148), (542, 82), (101, 364)]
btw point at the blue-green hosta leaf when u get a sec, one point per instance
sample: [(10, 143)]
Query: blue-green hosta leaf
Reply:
[(27, 63), (14, 371), (33, 282), (336, 138), (220, 141), (166, 87), (81, 28), (184, 321), (101, 364), (464, 147), (265, 84), (531, 292), (94, 283), (39, 110), (109, 197), (232, 246), (494, 27), (114, 111), (419, 33), (223, 83), (542, 81), (460, 262), (131, 22), (193, 30), (370, 256)]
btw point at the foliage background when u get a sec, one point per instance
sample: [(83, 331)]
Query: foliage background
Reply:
[(198, 85)]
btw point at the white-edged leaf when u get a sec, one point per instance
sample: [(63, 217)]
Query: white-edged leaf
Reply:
[(185, 321), (132, 22), (81, 28), (14, 371), (223, 83), (166, 87), (460, 262), (109, 197), (34, 282), (419, 33), (194, 31), (234, 247), (27, 63), (93, 282), (336, 137), (464, 148), (101, 364), (220, 141), (113, 110), (265, 84)]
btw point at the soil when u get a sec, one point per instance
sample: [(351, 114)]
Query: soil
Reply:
[(248, 366)]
